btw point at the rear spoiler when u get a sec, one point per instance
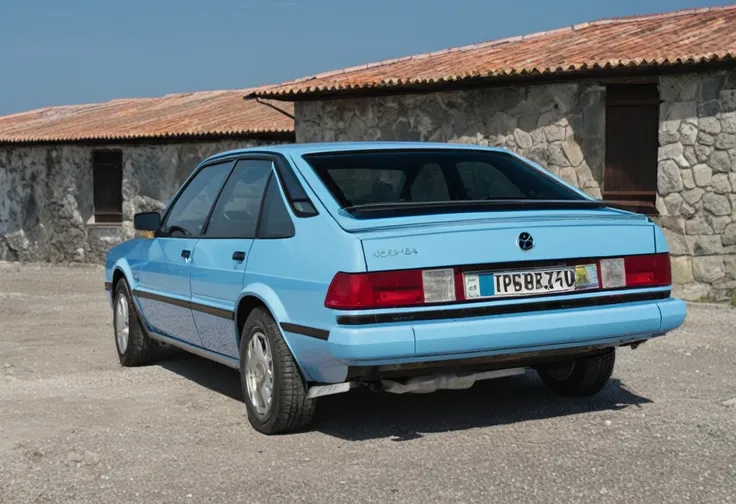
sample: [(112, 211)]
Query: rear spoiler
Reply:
[(402, 208)]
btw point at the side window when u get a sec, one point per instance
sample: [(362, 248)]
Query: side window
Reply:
[(191, 208), (484, 181), (236, 213), (275, 219), (430, 185)]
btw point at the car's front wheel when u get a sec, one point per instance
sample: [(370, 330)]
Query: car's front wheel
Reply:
[(583, 377), (134, 346), (274, 390)]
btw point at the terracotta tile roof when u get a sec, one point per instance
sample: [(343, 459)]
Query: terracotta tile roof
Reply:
[(207, 113), (688, 36)]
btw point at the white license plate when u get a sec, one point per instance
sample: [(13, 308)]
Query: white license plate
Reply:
[(520, 283)]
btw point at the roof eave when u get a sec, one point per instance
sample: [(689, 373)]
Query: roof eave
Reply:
[(596, 71), (265, 135)]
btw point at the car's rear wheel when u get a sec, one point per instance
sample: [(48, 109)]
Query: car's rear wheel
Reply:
[(583, 377), (134, 347), (273, 388)]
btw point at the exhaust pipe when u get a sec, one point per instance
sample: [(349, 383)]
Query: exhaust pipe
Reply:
[(432, 383)]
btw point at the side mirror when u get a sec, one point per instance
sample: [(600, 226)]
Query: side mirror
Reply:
[(147, 221)]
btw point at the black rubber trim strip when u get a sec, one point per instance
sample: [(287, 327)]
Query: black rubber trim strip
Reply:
[(217, 312), (444, 314), (108, 286), (163, 299), (306, 331)]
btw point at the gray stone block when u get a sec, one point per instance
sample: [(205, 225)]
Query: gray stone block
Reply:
[(716, 204), (729, 234), (692, 196), (708, 269), (703, 175), (720, 161), (725, 141), (688, 133), (697, 226)]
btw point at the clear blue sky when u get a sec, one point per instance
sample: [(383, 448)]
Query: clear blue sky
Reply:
[(56, 52)]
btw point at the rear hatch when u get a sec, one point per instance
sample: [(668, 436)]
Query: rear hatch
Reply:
[(453, 224), (512, 257), (494, 238), (596, 255)]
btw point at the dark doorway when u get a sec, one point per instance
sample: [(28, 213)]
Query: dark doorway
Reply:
[(107, 166), (632, 125)]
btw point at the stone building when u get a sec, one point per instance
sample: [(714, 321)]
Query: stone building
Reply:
[(640, 111), (72, 177)]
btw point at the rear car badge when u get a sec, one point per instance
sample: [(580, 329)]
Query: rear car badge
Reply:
[(525, 242)]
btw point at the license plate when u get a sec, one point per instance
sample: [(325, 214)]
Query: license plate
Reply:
[(531, 282)]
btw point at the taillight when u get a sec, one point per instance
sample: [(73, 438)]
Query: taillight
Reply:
[(390, 289), (648, 270), (636, 271)]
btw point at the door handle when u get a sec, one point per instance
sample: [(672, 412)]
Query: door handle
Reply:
[(186, 253), (238, 255)]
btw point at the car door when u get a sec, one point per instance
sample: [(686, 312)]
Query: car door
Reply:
[(220, 256), (163, 292)]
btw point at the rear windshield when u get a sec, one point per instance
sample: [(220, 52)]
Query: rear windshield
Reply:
[(433, 176)]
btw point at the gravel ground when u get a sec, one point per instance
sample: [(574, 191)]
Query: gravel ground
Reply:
[(76, 427)]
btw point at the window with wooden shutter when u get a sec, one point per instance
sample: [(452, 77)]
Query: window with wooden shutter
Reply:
[(632, 125), (107, 173)]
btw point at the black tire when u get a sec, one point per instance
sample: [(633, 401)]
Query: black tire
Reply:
[(289, 410), (587, 377), (140, 349)]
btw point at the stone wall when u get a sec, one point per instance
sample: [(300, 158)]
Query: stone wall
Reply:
[(46, 195), (560, 126), (697, 181)]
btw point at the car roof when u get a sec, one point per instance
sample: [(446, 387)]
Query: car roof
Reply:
[(300, 149)]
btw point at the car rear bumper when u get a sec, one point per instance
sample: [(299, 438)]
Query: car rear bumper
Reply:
[(430, 340)]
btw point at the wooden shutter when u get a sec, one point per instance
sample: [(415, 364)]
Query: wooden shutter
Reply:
[(632, 125)]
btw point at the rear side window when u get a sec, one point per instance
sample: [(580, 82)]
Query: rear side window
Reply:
[(236, 213), (275, 218), (300, 203), (432, 176)]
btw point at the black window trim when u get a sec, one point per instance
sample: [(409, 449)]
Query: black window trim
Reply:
[(263, 202), (274, 158), (273, 178), (281, 166), (286, 176)]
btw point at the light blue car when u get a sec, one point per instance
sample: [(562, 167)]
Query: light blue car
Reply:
[(314, 268)]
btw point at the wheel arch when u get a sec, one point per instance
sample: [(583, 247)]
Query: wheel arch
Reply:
[(262, 296), (254, 296), (117, 274), (245, 306), (121, 270)]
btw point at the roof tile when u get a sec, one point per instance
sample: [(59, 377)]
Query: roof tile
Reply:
[(206, 113), (688, 36)]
